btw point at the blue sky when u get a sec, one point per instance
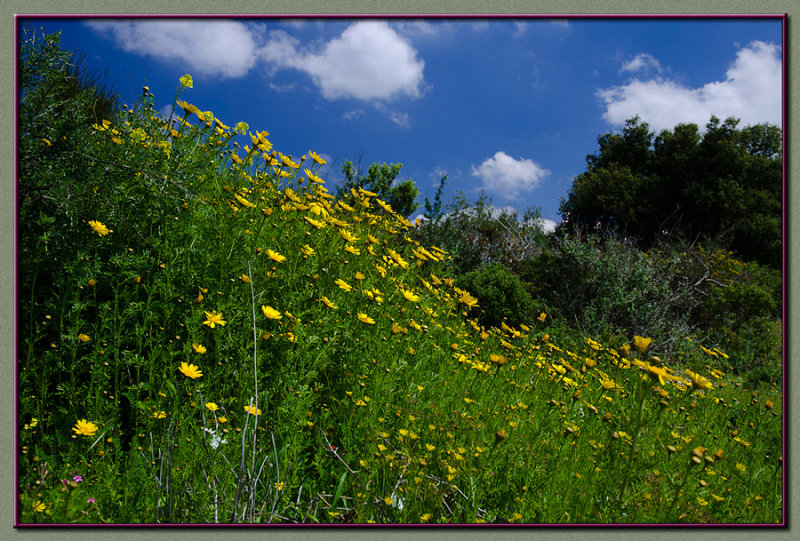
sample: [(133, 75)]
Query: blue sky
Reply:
[(508, 106)]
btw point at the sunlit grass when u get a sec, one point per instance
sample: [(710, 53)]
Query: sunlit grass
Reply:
[(231, 343)]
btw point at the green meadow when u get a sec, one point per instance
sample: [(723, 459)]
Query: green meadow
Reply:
[(211, 333)]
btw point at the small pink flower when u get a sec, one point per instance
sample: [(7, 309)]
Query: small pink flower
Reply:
[(77, 478), (91, 500)]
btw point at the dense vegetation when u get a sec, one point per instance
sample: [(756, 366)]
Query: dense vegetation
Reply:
[(207, 334), (723, 185)]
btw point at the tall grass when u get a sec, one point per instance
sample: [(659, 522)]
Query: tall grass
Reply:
[(242, 347)]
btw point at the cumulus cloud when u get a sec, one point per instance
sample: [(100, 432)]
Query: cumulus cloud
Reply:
[(751, 92), (507, 176), (368, 61), (222, 48), (547, 226)]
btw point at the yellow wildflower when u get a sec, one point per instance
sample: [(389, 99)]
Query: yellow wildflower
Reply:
[(190, 370), (275, 256), (213, 319), (270, 312), (252, 410), (85, 428), (344, 285), (99, 228)]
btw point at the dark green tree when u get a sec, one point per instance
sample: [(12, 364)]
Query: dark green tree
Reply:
[(381, 179), (721, 186), (433, 210)]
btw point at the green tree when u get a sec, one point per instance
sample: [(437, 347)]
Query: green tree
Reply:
[(723, 185), (381, 178)]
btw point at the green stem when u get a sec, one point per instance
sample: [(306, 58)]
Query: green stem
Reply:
[(634, 440)]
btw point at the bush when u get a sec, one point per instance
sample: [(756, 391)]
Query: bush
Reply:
[(605, 287), (501, 296)]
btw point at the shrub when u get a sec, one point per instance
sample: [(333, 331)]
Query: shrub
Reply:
[(604, 286), (501, 296)]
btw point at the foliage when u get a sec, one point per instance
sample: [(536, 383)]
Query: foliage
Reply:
[(476, 233), (209, 336), (723, 185), (381, 179), (606, 286), (433, 209), (502, 298)]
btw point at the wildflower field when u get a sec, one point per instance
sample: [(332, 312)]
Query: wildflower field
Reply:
[(208, 335)]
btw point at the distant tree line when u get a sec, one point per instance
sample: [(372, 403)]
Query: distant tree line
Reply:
[(722, 186)]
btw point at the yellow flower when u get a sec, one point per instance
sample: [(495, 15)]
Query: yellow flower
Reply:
[(252, 410), (307, 250), (99, 228), (364, 318), (409, 295), (270, 312), (159, 414), (83, 338), (244, 202), (641, 343), (699, 382), (347, 236), (396, 329), (190, 370), (468, 299), (344, 285), (352, 249), (542, 317), (398, 259), (313, 222), (653, 372), (199, 348), (214, 319), (85, 428), (608, 383), (212, 406), (38, 507), (328, 303), (275, 256), (222, 419), (316, 158), (187, 81)]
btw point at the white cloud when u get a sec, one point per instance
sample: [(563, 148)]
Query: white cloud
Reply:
[(399, 118), (641, 61), (548, 226), (353, 113), (506, 176), (369, 61), (287, 87), (221, 48), (751, 92), (422, 28)]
